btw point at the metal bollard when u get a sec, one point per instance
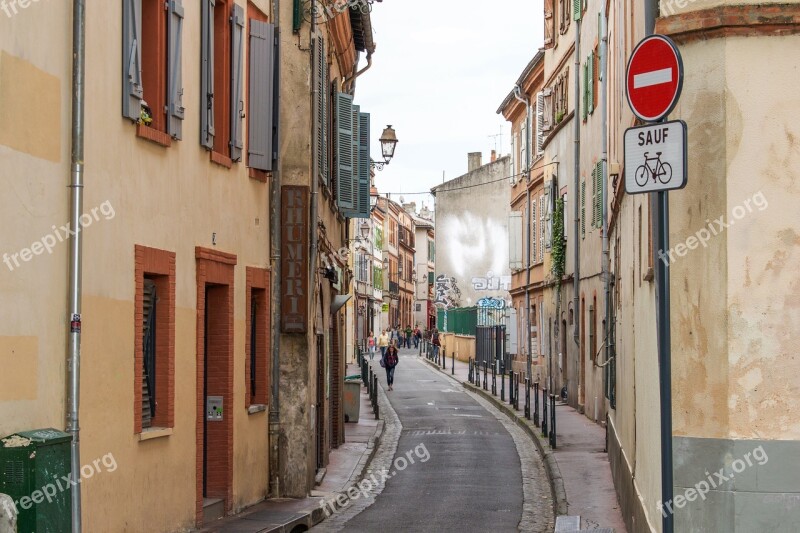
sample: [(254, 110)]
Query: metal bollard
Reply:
[(502, 381), (376, 409), (553, 421), (485, 375), (494, 380), (544, 413), (453, 367), (444, 360), (527, 398), (516, 391), (536, 404), (469, 369)]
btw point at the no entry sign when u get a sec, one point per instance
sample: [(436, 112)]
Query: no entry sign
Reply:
[(655, 78)]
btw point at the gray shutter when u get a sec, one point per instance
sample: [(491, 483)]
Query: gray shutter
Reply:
[(539, 122), (344, 152), (261, 80), (237, 92), (362, 205), (322, 109), (207, 74), (132, 92), (356, 167), (175, 110)]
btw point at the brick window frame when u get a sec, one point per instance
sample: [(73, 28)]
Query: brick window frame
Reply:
[(158, 265), (258, 283)]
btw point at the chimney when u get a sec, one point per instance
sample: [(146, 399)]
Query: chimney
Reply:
[(474, 160), (494, 156)]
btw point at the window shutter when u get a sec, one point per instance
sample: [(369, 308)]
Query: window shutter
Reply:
[(539, 122), (237, 92), (549, 24), (321, 74), (590, 82), (534, 235), (207, 74), (585, 108), (362, 202), (598, 207), (175, 110), (261, 82), (583, 209), (547, 110), (344, 152), (576, 9), (564, 218), (523, 152), (149, 351), (545, 226), (132, 91)]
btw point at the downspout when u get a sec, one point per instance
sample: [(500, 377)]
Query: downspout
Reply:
[(609, 340), (76, 250), (312, 263), (527, 102), (576, 282), (275, 250), (347, 82)]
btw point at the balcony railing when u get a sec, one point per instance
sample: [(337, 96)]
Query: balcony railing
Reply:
[(394, 287)]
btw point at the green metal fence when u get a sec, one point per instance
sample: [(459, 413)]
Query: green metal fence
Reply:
[(461, 320)]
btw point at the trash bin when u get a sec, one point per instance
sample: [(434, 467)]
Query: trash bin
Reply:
[(352, 399), (34, 467)]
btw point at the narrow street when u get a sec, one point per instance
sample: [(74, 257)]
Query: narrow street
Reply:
[(467, 473)]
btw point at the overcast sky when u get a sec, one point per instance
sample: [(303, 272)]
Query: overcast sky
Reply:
[(440, 71)]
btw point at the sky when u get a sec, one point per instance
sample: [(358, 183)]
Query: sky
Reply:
[(440, 71)]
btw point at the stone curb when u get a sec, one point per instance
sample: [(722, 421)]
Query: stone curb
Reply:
[(550, 462), (358, 474)]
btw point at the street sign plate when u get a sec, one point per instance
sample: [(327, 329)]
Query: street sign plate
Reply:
[(655, 78), (655, 157)]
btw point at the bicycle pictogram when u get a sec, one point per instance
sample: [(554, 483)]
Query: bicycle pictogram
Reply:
[(653, 168)]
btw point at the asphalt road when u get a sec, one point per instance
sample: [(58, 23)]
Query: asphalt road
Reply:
[(466, 473)]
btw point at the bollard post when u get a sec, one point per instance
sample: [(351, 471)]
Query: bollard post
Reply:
[(453, 367), (376, 409), (528, 398), (502, 381), (469, 373), (544, 412), (485, 375), (444, 361), (553, 421), (494, 380), (536, 404), (516, 391)]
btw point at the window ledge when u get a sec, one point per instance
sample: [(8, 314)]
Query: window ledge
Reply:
[(258, 175), (253, 409), (153, 135), (221, 160), (154, 433)]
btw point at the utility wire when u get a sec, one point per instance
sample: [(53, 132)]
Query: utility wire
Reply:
[(470, 186)]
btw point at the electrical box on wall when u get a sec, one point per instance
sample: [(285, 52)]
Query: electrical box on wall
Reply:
[(214, 408)]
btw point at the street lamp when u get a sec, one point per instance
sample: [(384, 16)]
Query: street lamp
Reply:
[(363, 231), (388, 146)]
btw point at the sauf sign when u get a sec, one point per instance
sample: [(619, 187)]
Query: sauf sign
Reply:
[(294, 259)]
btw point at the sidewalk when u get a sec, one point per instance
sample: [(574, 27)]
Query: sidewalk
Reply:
[(346, 467), (579, 470)]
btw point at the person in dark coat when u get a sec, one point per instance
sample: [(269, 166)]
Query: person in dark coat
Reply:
[(390, 361)]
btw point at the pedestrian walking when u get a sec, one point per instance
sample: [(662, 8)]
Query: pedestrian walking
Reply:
[(408, 332), (417, 336), (383, 343), (372, 342), (436, 342), (390, 361)]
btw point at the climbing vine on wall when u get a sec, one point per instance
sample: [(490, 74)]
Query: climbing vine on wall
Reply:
[(559, 248)]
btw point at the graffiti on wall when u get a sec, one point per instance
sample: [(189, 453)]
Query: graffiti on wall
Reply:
[(492, 282), (447, 293)]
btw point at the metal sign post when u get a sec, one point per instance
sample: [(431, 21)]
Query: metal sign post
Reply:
[(656, 162)]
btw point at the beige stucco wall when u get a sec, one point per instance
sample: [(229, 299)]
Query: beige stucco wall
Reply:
[(169, 198)]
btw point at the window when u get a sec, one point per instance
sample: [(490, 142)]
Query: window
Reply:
[(257, 343), (393, 232), (154, 344), (534, 235), (563, 15), (558, 107), (523, 150), (597, 195), (549, 24), (542, 230), (379, 238), (352, 158), (151, 63), (583, 209), (222, 100), (593, 330), (260, 91)]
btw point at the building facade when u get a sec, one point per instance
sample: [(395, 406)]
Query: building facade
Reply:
[(424, 312)]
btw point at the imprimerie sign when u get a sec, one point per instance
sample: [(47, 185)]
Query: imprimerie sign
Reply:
[(294, 259)]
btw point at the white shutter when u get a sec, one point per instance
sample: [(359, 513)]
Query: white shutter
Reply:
[(534, 235), (539, 122), (564, 218), (546, 222), (547, 110), (132, 91), (175, 110), (237, 91), (515, 240), (523, 155)]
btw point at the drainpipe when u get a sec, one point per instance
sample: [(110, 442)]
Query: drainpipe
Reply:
[(527, 102), (349, 82), (275, 250), (76, 250), (609, 340), (576, 282)]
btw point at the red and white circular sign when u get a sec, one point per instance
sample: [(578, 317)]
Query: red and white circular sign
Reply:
[(655, 78)]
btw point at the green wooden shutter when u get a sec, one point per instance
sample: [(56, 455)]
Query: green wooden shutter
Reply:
[(322, 109), (598, 173), (345, 166), (237, 91), (362, 193), (175, 110), (585, 102), (207, 74), (261, 95), (576, 9), (132, 91), (583, 209)]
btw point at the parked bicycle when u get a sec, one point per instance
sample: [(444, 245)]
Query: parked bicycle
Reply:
[(655, 168)]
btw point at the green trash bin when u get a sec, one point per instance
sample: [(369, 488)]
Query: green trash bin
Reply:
[(34, 466), (352, 399)]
